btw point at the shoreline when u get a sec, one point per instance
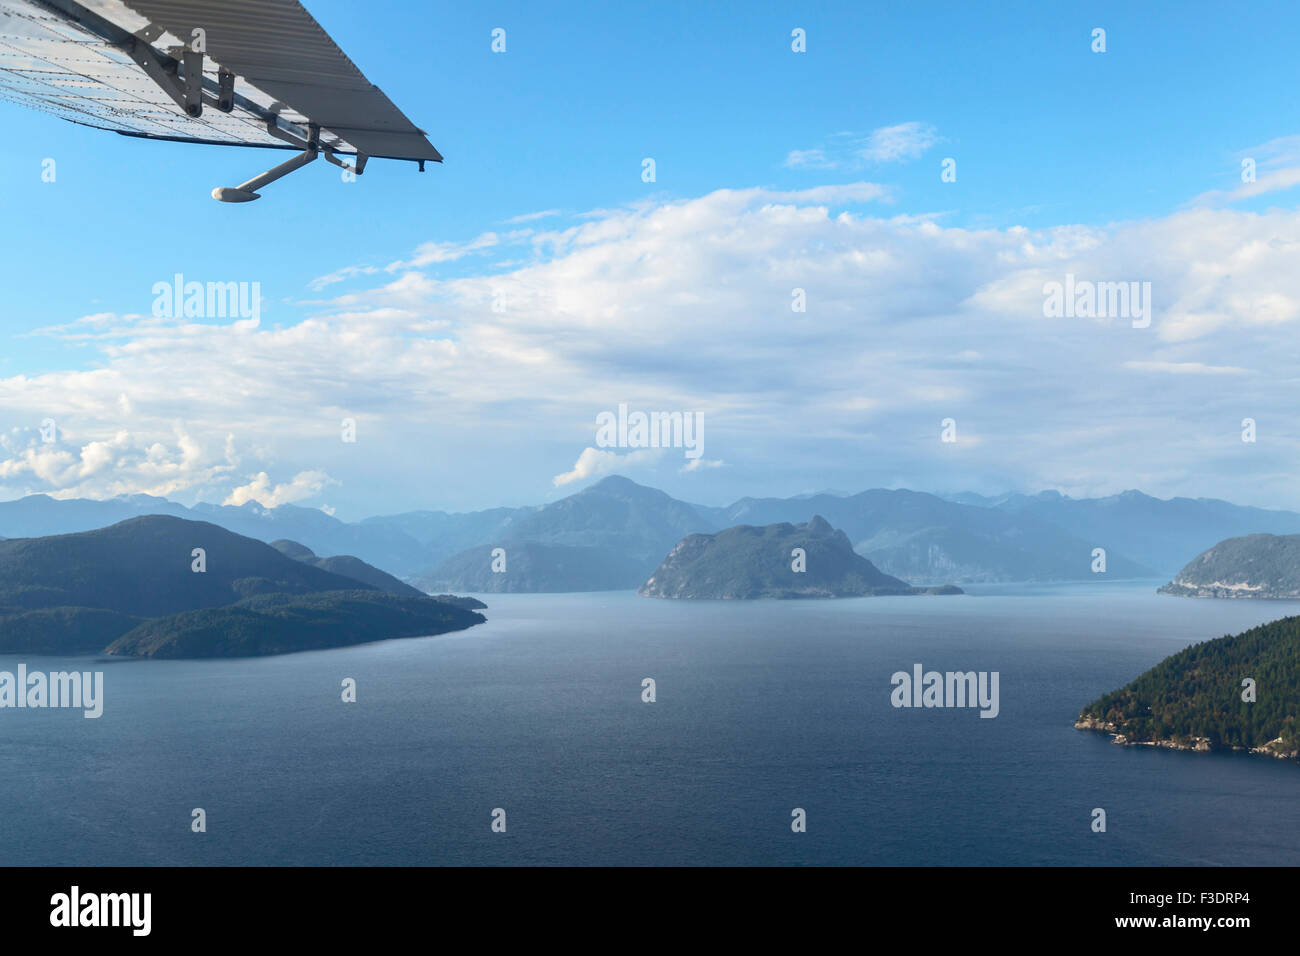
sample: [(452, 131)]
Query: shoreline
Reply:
[(1193, 744)]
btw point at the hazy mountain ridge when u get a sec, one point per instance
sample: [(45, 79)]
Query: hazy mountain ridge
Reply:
[(926, 540), (613, 534), (911, 535), (609, 536), (1159, 533), (440, 534), (534, 568), (381, 541), (347, 566)]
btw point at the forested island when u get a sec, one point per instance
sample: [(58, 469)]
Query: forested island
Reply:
[(1196, 699), (160, 586)]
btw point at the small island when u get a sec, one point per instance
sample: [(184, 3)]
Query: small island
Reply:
[(1193, 700), (811, 560)]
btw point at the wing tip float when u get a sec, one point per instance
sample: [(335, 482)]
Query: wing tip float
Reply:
[(204, 71)]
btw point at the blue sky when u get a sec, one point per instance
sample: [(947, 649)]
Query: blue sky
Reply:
[(923, 303)]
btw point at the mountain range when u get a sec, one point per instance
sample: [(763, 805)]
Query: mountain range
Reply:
[(614, 534), (1157, 533)]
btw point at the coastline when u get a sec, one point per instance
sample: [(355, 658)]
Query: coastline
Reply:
[(1194, 744)]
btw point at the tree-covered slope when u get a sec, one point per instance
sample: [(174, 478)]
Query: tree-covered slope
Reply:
[(61, 630), (285, 623), (347, 566), (135, 589), (1194, 698), (144, 567)]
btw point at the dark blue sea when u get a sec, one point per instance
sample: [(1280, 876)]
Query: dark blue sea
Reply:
[(762, 707)]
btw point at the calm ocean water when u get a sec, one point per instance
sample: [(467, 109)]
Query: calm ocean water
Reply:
[(762, 707)]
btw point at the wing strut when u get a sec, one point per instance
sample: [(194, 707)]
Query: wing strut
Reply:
[(248, 191), (187, 91)]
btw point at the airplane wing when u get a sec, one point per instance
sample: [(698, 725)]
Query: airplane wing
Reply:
[(236, 72)]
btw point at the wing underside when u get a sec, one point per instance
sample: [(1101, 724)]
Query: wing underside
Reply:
[(80, 61)]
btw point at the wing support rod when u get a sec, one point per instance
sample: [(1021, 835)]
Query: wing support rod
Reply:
[(187, 91), (358, 167), (248, 191)]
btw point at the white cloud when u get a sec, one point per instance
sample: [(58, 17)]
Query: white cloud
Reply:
[(1276, 167), (887, 144), (891, 144), (532, 216), (122, 463), (434, 253), (700, 464), (305, 484), (841, 195), (594, 462), (1186, 368), (686, 305), (1269, 182), (809, 159), (340, 275)]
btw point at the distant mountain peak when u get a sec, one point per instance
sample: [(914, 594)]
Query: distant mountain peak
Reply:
[(819, 525), (619, 485), (154, 521)]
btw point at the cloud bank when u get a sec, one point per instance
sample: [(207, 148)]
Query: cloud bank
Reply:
[(824, 339)]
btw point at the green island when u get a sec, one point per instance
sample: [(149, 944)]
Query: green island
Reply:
[(164, 587), (1193, 700)]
